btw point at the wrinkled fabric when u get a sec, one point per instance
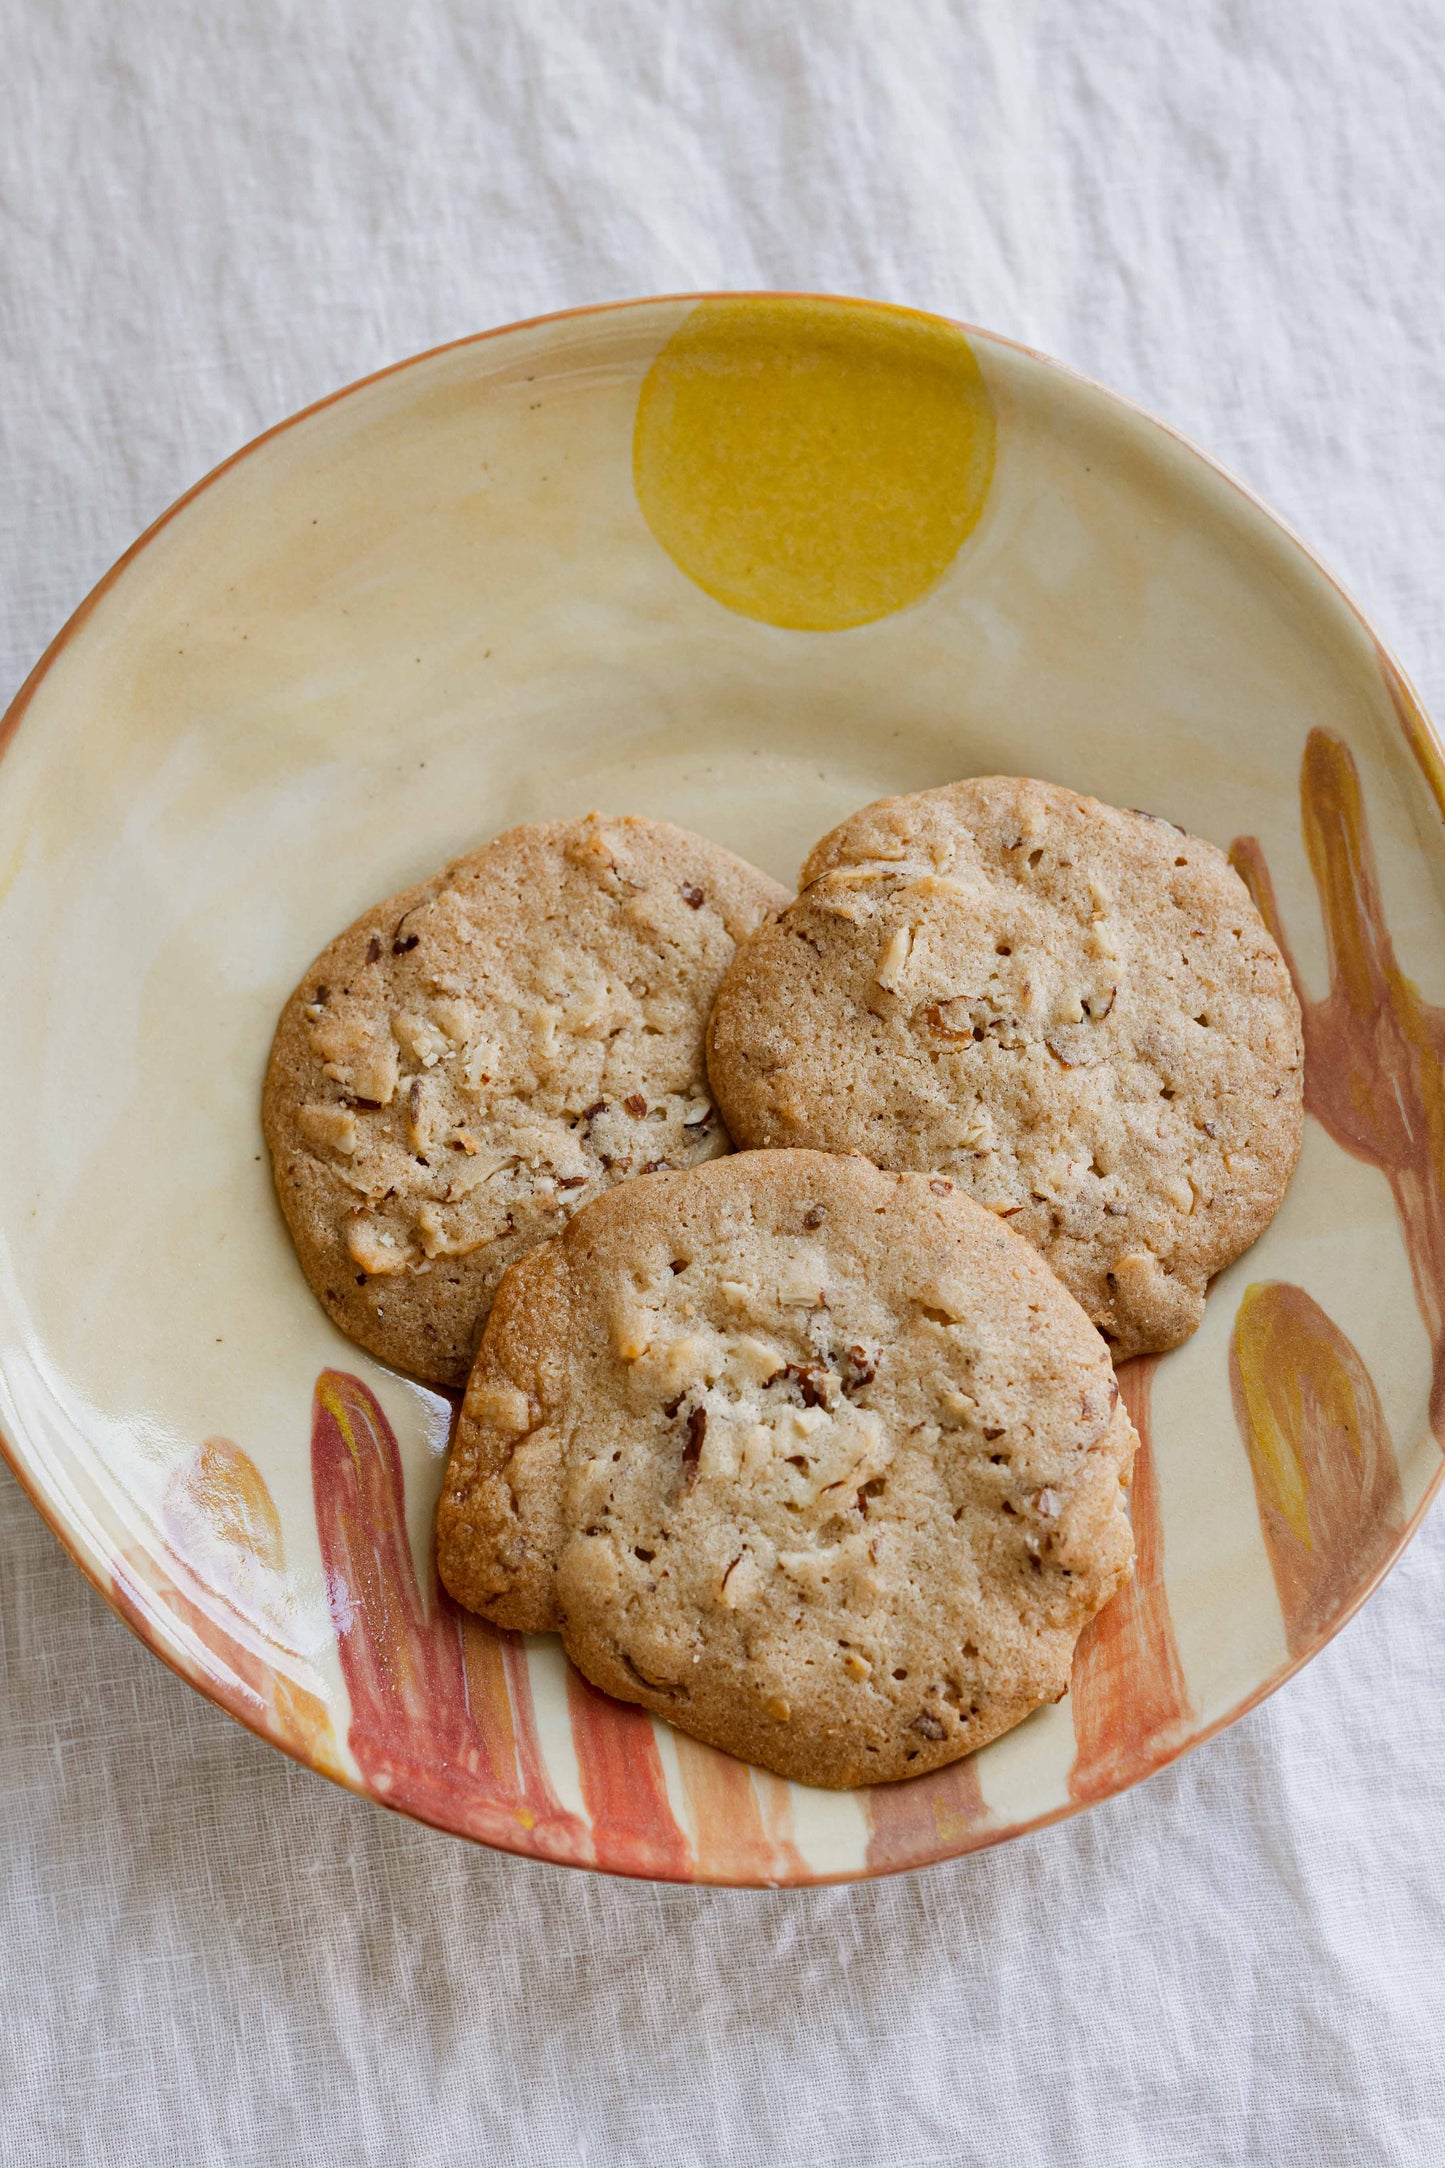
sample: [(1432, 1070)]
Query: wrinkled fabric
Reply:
[(210, 216)]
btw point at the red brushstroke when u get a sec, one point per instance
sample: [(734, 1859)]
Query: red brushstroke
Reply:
[(620, 1769), (1130, 1701), (442, 1722)]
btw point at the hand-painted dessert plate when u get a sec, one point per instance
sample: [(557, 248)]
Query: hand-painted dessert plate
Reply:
[(742, 563)]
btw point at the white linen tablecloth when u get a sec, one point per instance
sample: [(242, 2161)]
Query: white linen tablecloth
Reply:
[(210, 215)]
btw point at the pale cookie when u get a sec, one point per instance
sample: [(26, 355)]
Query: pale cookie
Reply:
[(822, 1464), (475, 1058), (1074, 1012)]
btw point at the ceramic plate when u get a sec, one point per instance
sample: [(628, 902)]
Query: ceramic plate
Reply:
[(742, 563)]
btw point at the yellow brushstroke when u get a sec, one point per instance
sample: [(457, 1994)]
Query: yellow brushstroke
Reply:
[(1274, 1404), (1325, 1474), (336, 1407), (233, 1589), (815, 464), (227, 1489)]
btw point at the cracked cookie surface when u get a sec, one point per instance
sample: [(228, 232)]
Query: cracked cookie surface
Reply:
[(1074, 1012), (820, 1463), (474, 1058)]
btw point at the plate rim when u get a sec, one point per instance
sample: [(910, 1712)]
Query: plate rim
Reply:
[(1424, 741)]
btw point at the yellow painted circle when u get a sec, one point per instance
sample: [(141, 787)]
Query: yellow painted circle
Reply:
[(815, 464)]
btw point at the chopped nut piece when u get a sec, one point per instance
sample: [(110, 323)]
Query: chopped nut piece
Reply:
[(859, 1368), (591, 1013), (811, 1380), (632, 1337), (753, 1362), (718, 1460), (895, 956), (373, 1076), (457, 1019), (692, 1446), (856, 1666), (332, 1128), (351, 1057), (421, 1111), (503, 1406), (884, 866), (853, 908), (675, 1364), (777, 1708), (438, 1242), (740, 1582), (959, 1025), (482, 1062), (940, 884), (475, 1168), (375, 1249), (800, 1282), (941, 1298), (593, 846)]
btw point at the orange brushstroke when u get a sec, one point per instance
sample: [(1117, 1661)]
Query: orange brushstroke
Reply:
[(776, 1797), (742, 1817), (442, 1722), (1130, 1701), (1324, 1469), (220, 1569), (620, 1770), (1374, 1050), (926, 1818)]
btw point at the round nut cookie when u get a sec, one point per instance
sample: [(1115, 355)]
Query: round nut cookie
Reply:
[(1075, 1012), (473, 1059), (821, 1463)]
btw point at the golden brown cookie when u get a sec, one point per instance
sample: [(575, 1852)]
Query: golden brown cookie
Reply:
[(823, 1464), (1075, 1013), (473, 1059)]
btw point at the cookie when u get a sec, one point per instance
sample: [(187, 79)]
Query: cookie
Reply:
[(1075, 1013), (473, 1059), (822, 1464)]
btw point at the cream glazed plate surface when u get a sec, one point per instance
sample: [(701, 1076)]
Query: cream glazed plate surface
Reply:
[(743, 563)]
